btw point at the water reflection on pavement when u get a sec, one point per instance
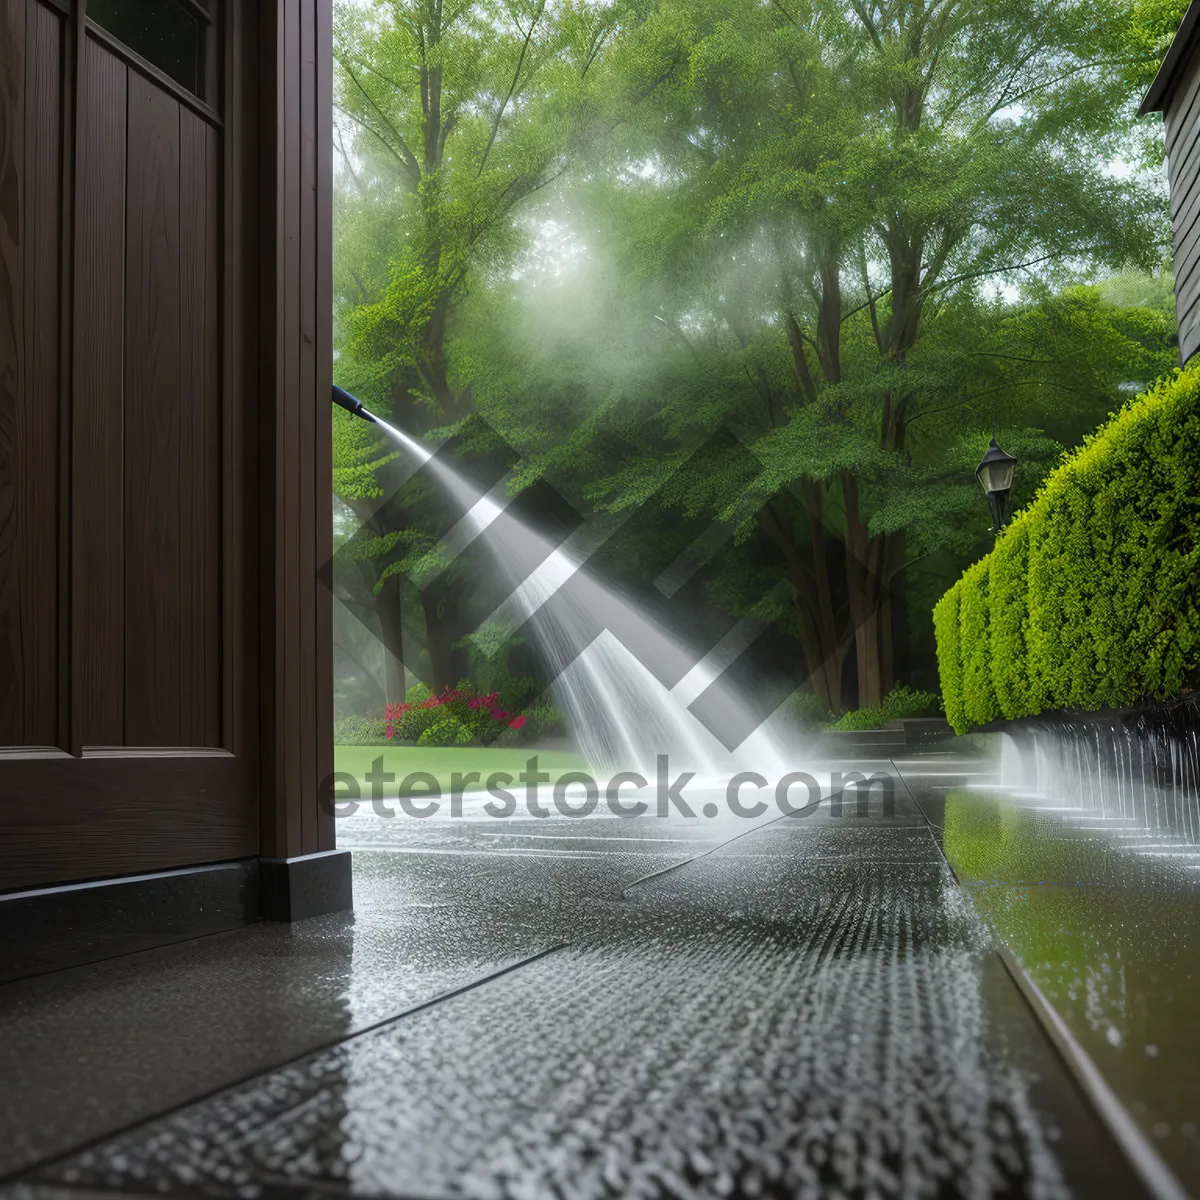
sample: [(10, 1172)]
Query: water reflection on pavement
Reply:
[(1104, 916)]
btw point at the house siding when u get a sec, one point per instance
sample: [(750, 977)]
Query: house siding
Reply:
[(1182, 118)]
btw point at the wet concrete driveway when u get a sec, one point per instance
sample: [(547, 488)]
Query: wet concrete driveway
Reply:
[(594, 1007)]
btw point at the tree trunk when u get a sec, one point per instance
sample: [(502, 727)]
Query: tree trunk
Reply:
[(824, 662), (870, 660), (829, 644), (441, 632), (887, 644), (894, 629), (388, 607), (866, 559), (824, 648), (433, 364), (906, 253)]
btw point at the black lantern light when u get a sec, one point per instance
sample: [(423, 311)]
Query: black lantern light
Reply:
[(995, 475)]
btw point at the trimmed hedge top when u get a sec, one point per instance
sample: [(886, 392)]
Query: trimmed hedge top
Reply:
[(1091, 598)]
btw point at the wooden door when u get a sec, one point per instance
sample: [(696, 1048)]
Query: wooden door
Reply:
[(128, 489)]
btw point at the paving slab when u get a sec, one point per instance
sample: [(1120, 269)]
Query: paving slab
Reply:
[(800, 1008)]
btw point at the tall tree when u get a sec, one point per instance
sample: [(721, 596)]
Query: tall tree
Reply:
[(847, 169), (451, 115)]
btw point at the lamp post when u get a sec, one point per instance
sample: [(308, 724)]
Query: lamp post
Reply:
[(995, 475)]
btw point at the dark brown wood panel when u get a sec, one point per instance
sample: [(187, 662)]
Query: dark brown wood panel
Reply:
[(97, 462), (322, 435), (243, 279), (296, 376), (31, 153), (199, 431), (71, 819), (13, 396), (39, 514), (153, 415), (213, 569), (159, 473), (289, 429), (193, 235)]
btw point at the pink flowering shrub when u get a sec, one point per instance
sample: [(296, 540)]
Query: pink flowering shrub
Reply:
[(458, 716)]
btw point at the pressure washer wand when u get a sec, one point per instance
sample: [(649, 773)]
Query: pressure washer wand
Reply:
[(351, 404)]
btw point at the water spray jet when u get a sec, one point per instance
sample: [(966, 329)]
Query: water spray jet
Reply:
[(621, 714)]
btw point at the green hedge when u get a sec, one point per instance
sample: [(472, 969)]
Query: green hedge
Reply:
[(898, 704), (1090, 598), (354, 730)]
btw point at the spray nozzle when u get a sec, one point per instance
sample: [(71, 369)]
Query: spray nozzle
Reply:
[(351, 404)]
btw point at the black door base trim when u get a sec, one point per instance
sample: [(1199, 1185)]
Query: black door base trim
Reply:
[(294, 889), (47, 929)]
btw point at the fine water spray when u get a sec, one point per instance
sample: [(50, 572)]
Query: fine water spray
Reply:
[(620, 712)]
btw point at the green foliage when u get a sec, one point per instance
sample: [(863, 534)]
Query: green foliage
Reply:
[(1008, 577), (945, 625), (488, 656), (464, 715), (542, 721), (354, 730), (898, 704), (1150, 291), (1089, 598), (810, 255), (808, 710), (978, 696), (447, 120), (447, 731), (852, 237)]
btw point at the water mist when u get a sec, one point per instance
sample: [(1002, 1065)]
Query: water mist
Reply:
[(621, 715)]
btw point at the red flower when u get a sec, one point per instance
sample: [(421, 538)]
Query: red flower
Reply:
[(516, 723), (498, 714)]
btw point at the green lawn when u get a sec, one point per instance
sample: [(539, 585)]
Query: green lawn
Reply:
[(442, 762)]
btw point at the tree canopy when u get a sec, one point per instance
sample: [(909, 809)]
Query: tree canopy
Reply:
[(855, 238)]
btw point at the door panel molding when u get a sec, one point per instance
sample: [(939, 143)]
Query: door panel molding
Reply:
[(33, 101), (155, 752), (97, 412)]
